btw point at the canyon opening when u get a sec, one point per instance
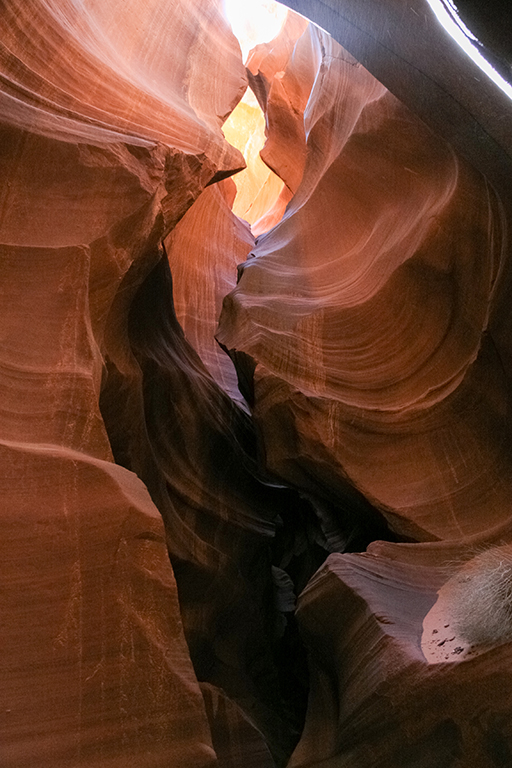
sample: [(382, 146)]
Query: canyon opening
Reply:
[(255, 376)]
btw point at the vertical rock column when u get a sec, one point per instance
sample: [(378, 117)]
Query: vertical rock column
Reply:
[(110, 129)]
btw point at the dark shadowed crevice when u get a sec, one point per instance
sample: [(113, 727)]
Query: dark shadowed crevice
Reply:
[(227, 524)]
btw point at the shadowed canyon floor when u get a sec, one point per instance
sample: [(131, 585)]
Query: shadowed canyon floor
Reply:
[(252, 474)]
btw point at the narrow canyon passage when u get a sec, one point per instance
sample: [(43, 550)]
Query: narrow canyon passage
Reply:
[(253, 421)]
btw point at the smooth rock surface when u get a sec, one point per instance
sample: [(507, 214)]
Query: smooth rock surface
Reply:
[(108, 135), (204, 270), (365, 312), (156, 528), (375, 700), (95, 669), (374, 330), (261, 198)]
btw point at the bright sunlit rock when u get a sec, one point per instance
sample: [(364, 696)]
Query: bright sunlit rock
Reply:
[(258, 188), (447, 15), (254, 21)]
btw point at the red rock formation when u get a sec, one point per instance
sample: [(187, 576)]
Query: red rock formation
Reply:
[(372, 324), (261, 198), (283, 91), (94, 667), (204, 270), (108, 135), (370, 330), (365, 310), (171, 424), (374, 698)]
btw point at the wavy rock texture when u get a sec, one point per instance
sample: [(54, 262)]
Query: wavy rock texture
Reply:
[(111, 118), (155, 528), (374, 699), (372, 329), (170, 423), (204, 270), (283, 89), (365, 312), (261, 197)]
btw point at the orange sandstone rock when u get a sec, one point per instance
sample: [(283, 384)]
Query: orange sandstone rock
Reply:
[(110, 129), (365, 313)]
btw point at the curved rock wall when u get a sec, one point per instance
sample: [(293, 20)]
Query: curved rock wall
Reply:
[(156, 525), (108, 135), (392, 681), (365, 312)]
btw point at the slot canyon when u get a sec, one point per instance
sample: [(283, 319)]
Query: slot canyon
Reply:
[(255, 413)]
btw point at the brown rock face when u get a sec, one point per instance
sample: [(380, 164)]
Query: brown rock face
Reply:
[(163, 503), (94, 669), (373, 322), (204, 271), (373, 297), (105, 143), (374, 698)]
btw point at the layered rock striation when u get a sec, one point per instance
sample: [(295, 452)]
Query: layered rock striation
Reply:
[(108, 135), (164, 503), (372, 326), (366, 310)]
